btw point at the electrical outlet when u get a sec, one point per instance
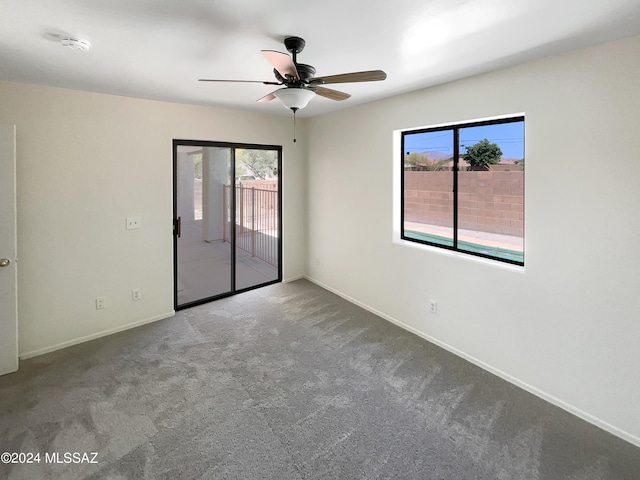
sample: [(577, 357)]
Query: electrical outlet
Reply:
[(101, 303), (135, 294), (433, 306), (133, 223)]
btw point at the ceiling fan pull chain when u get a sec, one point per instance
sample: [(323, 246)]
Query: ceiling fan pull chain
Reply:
[(294, 124)]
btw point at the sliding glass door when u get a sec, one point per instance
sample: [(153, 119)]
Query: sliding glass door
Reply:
[(257, 239), (227, 219)]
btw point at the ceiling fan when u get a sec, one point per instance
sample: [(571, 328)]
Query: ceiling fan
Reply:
[(297, 80)]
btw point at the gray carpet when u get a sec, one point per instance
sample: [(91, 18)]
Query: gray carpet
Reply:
[(288, 382)]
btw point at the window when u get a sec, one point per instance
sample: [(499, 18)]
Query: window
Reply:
[(463, 188)]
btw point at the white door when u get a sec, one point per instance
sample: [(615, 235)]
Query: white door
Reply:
[(8, 252)]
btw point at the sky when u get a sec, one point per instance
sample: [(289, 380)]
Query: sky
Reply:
[(508, 136)]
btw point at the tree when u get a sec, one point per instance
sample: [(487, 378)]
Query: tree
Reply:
[(262, 163), (483, 154), (414, 159), (420, 161), (197, 165)]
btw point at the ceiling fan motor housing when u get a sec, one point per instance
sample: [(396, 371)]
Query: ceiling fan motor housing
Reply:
[(305, 72)]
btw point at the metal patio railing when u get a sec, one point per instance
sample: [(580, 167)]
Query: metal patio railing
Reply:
[(256, 221)]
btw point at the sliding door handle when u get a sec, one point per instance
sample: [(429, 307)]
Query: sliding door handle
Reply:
[(178, 226)]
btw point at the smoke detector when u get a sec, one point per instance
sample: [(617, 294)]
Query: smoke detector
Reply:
[(75, 43)]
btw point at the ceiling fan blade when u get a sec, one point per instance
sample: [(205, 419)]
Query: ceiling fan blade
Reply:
[(238, 81), (282, 62), (266, 98), (330, 93), (368, 76)]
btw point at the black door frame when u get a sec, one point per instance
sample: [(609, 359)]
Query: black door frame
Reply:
[(232, 146)]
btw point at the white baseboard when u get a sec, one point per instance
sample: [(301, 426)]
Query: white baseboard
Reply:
[(505, 376), (293, 279), (75, 341)]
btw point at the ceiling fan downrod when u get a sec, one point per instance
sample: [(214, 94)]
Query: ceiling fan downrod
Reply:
[(294, 46)]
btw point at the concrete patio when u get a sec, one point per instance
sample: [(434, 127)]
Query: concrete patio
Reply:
[(204, 268)]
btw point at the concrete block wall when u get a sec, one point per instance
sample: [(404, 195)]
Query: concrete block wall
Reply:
[(490, 201)]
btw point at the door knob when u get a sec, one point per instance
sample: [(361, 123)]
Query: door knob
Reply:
[(4, 262)]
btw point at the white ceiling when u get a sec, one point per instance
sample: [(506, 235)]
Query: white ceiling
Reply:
[(158, 49)]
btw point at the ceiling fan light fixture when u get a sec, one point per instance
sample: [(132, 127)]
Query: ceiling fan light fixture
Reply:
[(294, 98)]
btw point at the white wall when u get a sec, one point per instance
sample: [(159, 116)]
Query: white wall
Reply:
[(85, 162), (568, 325)]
